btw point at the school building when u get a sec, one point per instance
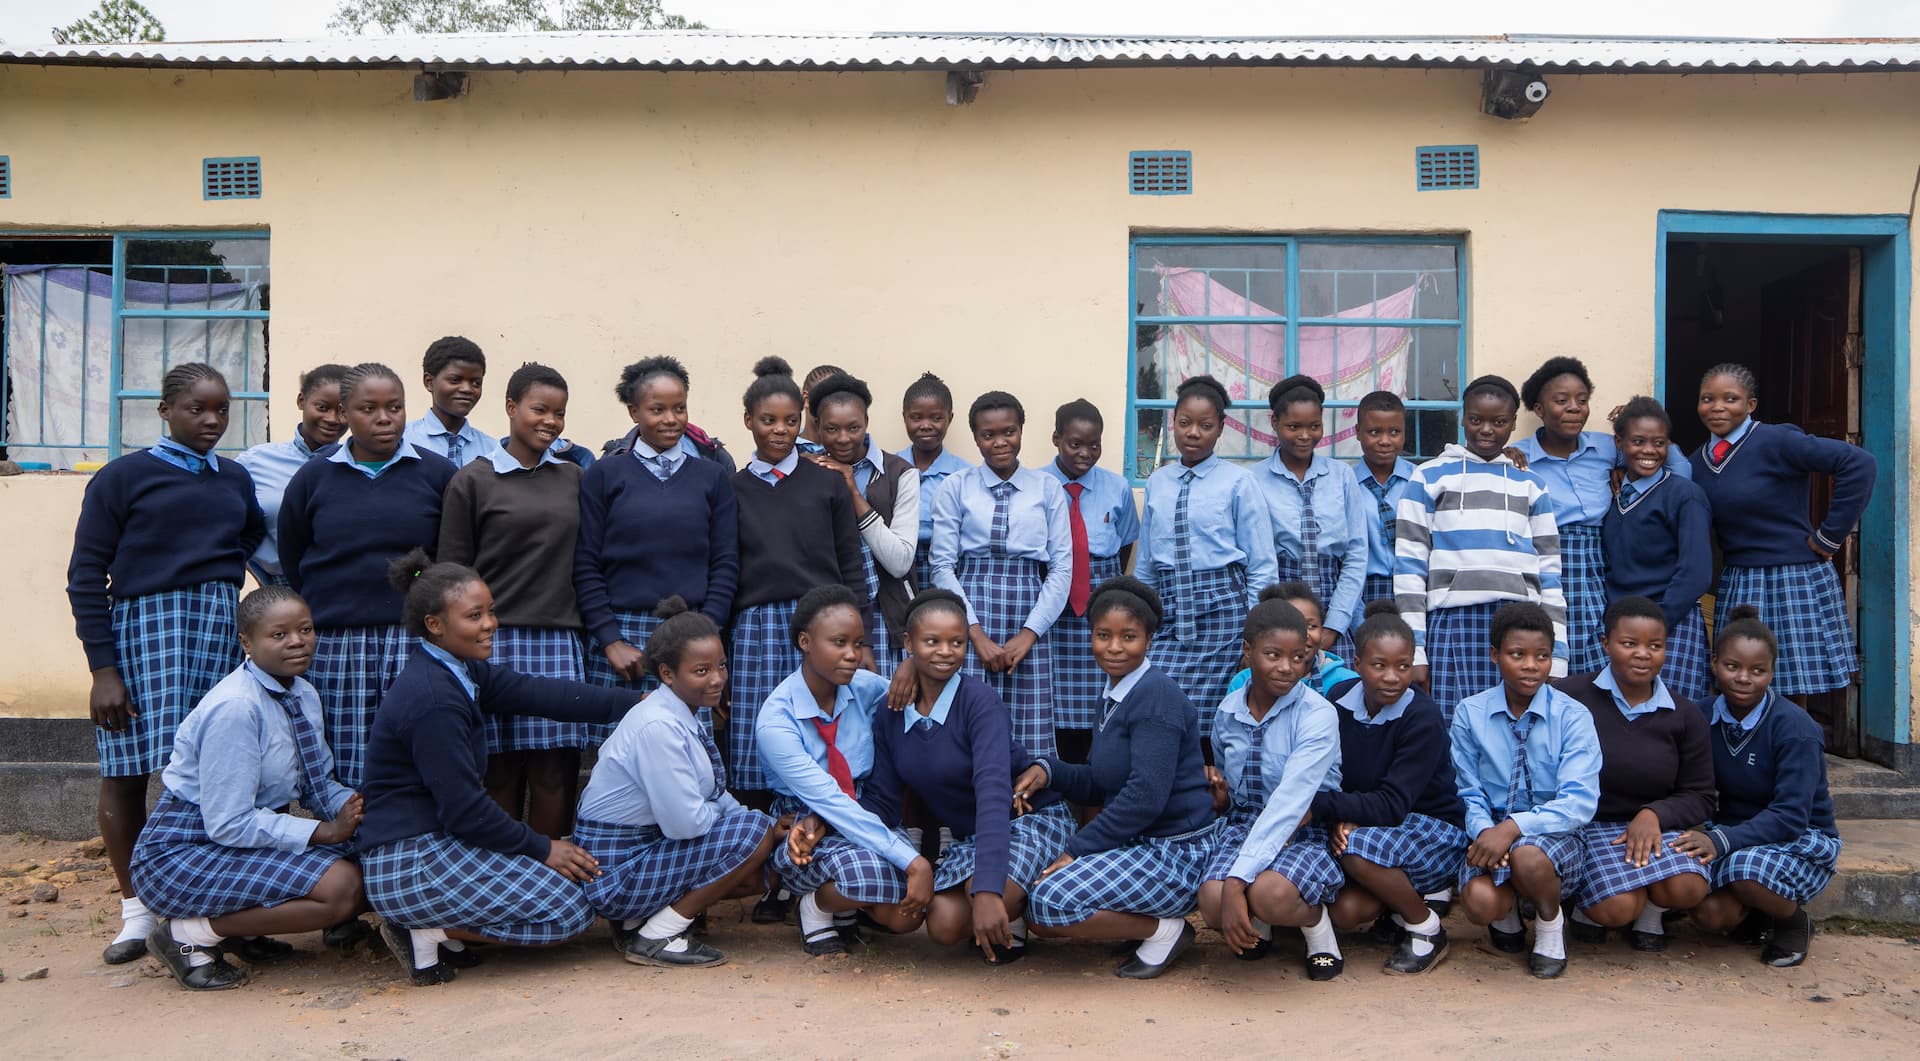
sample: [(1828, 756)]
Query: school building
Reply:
[(1056, 216)]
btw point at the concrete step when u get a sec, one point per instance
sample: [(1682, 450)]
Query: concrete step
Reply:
[(1864, 790), (1879, 873)]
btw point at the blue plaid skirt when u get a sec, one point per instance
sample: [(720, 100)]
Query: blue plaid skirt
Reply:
[(1428, 850), (1804, 607), (1688, 656), (1325, 578), (172, 648), (1459, 659), (922, 563), (1003, 589), (1795, 872), (1583, 578), (862, 876), (1377, 587), (435, 881), (352, 667), (1565, 850), (1038, 838), (1608, 873), (1305, 861), (1155, 876), (885, 653), (642, 870), (635, 629), (544, 652), (1078, 682), (179, 871), (763, 655), (1203, 666)]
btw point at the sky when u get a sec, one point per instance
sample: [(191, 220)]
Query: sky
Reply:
[(27, 21)]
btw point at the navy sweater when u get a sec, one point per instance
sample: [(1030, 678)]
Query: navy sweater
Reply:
[(1144, 770), (796, 536), (1661, 548), (147, 527), (643, 540), (427, 752), (1660, 761), (1760, 494), (338, 530), (1774, 788), (1393, 769), (963, 772)]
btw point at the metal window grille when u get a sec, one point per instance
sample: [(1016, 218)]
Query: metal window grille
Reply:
[(230, 178), (1160, 172), (1446, 167), (6, 177)]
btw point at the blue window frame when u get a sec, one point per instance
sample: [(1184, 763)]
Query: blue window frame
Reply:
[(1358, 313)]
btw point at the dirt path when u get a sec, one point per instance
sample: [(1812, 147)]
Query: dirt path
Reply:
[(905, 997)]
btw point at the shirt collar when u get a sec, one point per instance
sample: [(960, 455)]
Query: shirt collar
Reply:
[(1117, 691), (805, 707), (1237, 707), (437, 428), (945, 464), (1053, 468), (875, 456), (267, 681), (1740, 432), (1661, 700), (942, 705), (1496, 703), (785, 467), (1355, 701), (1403, 470), (458, 667), (1200, 470), (343, 454), (1751, 722), (167, 449), (506, 463), (1316, 468), (1535, 451), (1643, 483)]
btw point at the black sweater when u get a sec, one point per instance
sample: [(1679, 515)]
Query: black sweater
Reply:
[(795, 536), (1661, 761), (1392, 769)]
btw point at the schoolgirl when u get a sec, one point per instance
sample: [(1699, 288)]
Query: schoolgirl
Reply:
[(1659, 544), (1103, 525), (657, 520), (444, 864), (670, 839), (159, 552), (816, 743), (1207, 544), (453, 370), (1395, 821), (797, 531), (1754, 475), (220, 858), (1381, 429), (1772, 845), (513, 516), (926, 411), (1130, 873), (1320, 513), (809, 443), (1527, 764), (1656, 778), (346, 513), (1474, 532), (1003, 542), (1276, 743), (323, 420), (1324, 669), (885, 491)]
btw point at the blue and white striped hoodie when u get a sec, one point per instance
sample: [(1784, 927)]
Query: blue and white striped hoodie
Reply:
[(1475, 531)]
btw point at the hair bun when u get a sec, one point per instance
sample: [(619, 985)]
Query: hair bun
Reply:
[(671, 607), (1742, 611), (772, 365), (1131, 585), (403, 570), (1384, 606)]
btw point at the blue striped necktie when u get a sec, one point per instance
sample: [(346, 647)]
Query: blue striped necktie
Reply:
[(1309, 535), (1253, 777), (1520, 781), (1184, 606), (1002, 516), (306, 737)]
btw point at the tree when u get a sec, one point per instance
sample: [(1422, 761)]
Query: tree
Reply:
[(501, 16), (113, 22)]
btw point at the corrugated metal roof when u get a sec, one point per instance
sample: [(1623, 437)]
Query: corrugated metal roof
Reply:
[(711, 50)]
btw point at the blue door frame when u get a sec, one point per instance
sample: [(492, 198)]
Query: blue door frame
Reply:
[(1886, 288)]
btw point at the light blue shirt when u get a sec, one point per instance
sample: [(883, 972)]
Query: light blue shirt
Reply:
[(868, 465), (655, 770), (796, 757), (430, 434), (1379, 549), (454, 664), (942, 706), (642, 451), (506, 463), (1341, 507), (1107, 507), (943, 465), (1038, 528), (1720, 713), (236, 758), (1563, 762), (343, 454), (764, 471), (1299, 756), (1227, 520), (1661, 700), (1581, 486), (182, 456), (1355, 702), (272, 465), (1732, 437)]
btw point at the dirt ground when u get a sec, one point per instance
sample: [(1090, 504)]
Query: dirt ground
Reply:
[(904, 997)]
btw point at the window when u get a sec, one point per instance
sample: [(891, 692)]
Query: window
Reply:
[(1357, 314)]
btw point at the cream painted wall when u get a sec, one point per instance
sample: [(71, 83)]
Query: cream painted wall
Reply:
[(590, 218)]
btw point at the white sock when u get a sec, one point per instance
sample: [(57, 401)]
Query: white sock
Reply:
[(1017, 928), (1320, 937), (665, 924), (1511, 923), (631, 925), (1549, 937), (198, 932), (1444, 895), (1265, 930), (813, 920), (453, 945), (1154, 949), (426, 946), (1649, 920), (1580, 917), (135, 920), (1421, 948)]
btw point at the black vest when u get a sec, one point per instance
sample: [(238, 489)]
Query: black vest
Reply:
[(895, 593)]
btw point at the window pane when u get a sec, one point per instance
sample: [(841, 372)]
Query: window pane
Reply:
[(148, 347), (141, 426), (1433, 367), (186, 262), (1431, 431), (1391, 280), (1218, 280)]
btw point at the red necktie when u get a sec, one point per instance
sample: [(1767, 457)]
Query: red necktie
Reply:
[(836, 763), (777, 474), (1082, 562), (1720, 450)]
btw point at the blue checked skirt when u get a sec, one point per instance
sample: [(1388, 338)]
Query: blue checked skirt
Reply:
[(1155, 876), (1795, 872), (1203, 666), (1002, 590), (763, 655), (1428, 850), (1078, 682), (178, 870), (1377, 587), (435, 881), (1688, 655), (1459, 660), (352, 667), (1608, 873), (1566, 850), (1324, 579), (642, 870), (172, 648), (1038, 838), (862, 876), (922, 564), (544, 652), (1305, 861), (1583, 578), (885, 652), (1802, 604)]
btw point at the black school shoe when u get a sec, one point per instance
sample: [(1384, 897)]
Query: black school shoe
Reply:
[(1135, 969), (622, 936), (1647, 942), (1508, 942), (124, 951), (1545, 968), (1585, 933), (216, 975), (1403, 962), (1753, 930), (400, 943), (1791, 936), (1259, 950), (823, 942), (1322, 966), (347, 934), (696, 955), (1388, 931), (771, 909), (258, 950)]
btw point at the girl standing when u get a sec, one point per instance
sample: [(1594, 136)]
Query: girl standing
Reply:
[(927, 412), (272, 464), (1320, 512)]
